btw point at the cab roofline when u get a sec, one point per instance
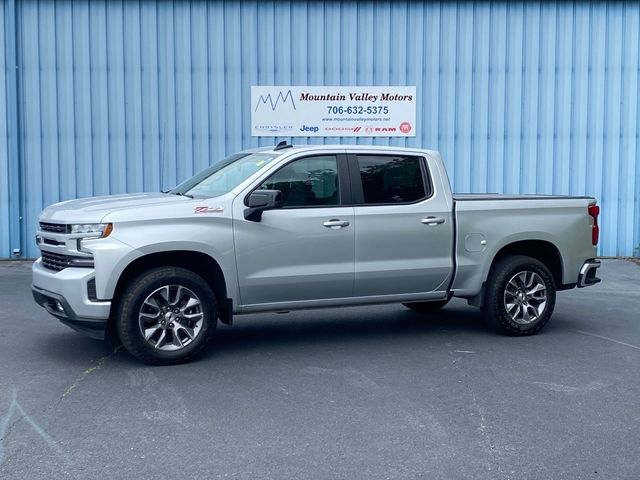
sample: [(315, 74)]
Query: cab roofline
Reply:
[(320, 147)]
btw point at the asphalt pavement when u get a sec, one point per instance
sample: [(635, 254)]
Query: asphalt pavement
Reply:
[(354, 393)]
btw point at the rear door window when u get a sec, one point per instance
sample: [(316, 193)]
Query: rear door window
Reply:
[(389, 179)]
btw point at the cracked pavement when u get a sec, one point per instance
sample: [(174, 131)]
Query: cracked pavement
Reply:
[(357, 393)]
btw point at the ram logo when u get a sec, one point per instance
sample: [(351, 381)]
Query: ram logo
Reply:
[(281, 98)]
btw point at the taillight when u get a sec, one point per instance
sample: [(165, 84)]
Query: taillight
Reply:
[(594, 211)]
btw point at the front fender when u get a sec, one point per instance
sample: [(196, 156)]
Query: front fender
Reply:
[(212, 237)]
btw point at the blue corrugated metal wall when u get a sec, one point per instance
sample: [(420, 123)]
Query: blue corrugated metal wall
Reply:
[(125, 96), (4, 141)]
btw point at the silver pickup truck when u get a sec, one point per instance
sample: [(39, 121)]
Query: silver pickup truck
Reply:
[(282, 228)]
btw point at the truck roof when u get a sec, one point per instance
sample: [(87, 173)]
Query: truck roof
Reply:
[(314, 147)]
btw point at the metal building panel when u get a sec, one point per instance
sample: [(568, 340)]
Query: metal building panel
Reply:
[(37, 189), (138, 95), (81, 99), (5, 239), (67, 145), (496, 57), (629, 186)]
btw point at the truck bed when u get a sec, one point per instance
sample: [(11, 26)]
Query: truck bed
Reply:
[(462, 197), (485, 223)]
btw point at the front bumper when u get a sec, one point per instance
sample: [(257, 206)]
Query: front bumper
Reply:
[(587, 276), (65, 295)]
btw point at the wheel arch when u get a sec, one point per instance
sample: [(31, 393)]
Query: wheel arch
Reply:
[(198, 262), (543, 251)]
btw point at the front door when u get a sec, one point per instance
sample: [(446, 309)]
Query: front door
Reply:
[(305, 250)]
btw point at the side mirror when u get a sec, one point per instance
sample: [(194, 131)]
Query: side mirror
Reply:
[(261, 200)]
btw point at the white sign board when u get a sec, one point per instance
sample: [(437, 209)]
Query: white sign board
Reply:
[(333, 111)]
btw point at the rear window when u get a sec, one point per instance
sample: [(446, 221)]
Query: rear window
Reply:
[(391, 179)]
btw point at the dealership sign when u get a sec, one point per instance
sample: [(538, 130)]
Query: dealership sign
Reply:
[(333, 111)]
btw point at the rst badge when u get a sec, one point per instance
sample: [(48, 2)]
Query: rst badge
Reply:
[(203, 209)]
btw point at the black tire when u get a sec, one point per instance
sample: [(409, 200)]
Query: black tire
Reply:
[(499, 293), (131, 309), (426, 307)]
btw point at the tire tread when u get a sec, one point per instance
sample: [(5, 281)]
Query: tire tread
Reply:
[(127, 325), (493, 306)]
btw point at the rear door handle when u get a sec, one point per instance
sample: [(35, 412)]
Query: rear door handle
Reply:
[(432, 221), (335, 223)]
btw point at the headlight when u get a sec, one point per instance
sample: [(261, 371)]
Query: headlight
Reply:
[(99, 229)]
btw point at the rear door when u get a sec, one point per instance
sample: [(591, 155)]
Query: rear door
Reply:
[(404, 228), (305, 250)]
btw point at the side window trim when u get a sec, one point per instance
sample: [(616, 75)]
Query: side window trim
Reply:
[(344, 182), (426, 177), (357, 192)]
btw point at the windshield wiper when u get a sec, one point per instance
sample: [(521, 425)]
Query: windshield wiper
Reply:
[(180, 194)]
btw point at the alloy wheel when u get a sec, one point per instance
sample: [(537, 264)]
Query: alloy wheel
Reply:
[(171, 317), (525, 297)]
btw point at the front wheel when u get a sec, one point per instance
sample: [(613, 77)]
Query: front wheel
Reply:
[(520, 296), (166, 316)]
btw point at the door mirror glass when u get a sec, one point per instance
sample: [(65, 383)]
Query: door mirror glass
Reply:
[(261, 200)]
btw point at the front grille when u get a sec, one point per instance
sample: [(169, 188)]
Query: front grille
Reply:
[(54, 227), (57, 262), (50, 241), (91, 290), (54, 261)]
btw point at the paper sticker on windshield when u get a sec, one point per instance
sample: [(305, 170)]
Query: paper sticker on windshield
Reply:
[(208, 209)]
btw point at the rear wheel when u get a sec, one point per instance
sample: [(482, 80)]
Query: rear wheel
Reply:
[(426, 307), (166, 316), (520, 296)]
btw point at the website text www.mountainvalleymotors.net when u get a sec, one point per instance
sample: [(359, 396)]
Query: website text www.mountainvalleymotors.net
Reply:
[(356, 119)]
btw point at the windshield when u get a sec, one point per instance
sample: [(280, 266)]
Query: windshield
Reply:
[(224, 176)]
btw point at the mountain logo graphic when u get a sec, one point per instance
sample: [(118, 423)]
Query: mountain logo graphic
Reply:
[(280, 98)]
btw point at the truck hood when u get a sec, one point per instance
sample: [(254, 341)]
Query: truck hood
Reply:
[(93, 209)]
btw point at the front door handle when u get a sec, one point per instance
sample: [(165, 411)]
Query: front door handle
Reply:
[(335, 223), (432, 221)]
